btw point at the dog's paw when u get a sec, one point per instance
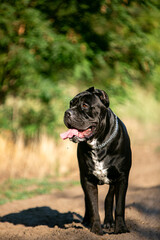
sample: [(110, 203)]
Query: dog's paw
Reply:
[(121, 229), (109, 226), (120, 226), (86, 222), (96, 228)]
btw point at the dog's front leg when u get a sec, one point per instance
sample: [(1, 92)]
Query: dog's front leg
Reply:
[(91, 205), (120, 191), (108, 221)]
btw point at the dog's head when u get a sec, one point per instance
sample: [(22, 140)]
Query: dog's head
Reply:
[(86, 114)]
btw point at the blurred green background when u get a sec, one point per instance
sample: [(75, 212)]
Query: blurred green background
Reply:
[(50, 50)]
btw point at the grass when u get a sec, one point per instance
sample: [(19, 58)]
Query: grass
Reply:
[(17, 189), (36, 160), (141, 106)]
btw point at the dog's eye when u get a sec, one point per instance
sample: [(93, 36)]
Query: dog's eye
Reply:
[(85, 105)]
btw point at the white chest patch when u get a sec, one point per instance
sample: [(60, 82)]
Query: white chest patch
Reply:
[(99, 171)]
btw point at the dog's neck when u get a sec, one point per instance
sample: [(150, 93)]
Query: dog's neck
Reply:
[(109, 133)]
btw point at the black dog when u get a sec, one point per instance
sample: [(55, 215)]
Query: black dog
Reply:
[(104, 156)]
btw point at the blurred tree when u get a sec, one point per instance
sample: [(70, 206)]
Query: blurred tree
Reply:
[(33, 58), (32, 52), (117, 34)]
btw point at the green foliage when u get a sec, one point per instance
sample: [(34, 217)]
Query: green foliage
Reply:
[(46, 46), (16, 189)]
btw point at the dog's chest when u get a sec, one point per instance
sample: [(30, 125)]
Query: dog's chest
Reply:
[(99, 170)]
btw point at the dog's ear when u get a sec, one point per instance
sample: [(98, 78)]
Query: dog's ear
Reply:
[(101, 94), (103, 97), (91, 89)]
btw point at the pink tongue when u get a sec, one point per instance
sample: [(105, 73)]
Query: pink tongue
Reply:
[(74, 132), (69, 134)]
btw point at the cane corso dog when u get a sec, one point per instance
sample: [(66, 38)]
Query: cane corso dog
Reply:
[(104, 156)]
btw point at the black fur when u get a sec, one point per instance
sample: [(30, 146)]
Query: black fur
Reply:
[(115, 157)]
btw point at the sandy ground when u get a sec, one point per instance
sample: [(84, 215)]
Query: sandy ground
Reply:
[(58, 216)]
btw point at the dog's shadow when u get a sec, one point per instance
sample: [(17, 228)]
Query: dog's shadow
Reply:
[(33, 217)]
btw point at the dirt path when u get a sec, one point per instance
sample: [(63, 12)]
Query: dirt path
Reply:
[(57, 216)]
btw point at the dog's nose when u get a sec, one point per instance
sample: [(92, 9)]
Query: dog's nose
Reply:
[(68, 113)]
